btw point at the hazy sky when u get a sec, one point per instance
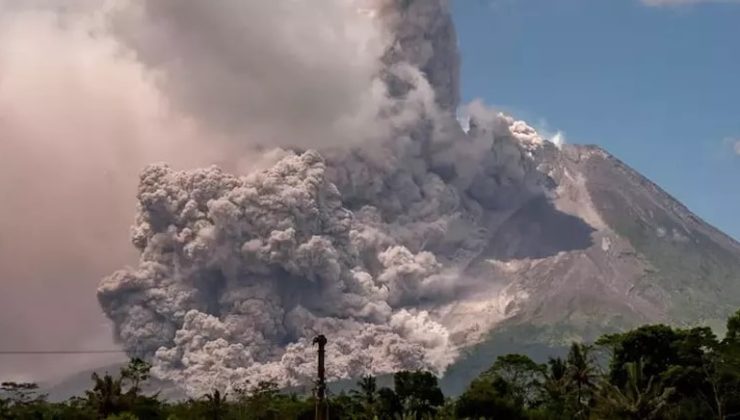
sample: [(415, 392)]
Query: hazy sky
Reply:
[(656, 83)]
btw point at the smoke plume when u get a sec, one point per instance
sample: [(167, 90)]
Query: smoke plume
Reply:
[(360, 238), (347, 199)]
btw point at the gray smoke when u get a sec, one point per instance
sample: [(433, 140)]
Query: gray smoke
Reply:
[(361, 238), (274, 73)]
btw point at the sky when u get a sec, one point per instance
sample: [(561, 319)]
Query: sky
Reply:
[(655, 82)]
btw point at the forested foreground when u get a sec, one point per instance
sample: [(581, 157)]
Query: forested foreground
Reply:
[(653, 372)]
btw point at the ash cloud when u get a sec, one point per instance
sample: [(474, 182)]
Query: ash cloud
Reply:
[(80, 117), (298, 74), (360, 237), (232, 269), (361, 242)]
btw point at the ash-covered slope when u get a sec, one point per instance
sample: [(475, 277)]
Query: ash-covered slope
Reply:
[(694, 269), (650, 258), (627, 253)]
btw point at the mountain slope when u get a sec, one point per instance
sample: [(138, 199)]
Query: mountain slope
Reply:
[(604, 250)]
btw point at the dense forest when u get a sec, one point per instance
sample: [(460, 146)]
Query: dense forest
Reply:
[(653, 372)]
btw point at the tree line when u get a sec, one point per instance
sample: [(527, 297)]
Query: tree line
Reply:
[(653, 372)]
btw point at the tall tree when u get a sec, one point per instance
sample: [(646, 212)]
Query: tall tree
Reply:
[(721, 367), (418, 392), (489, 397), (390, 405), (526, 379), (582, 375), (366, 396), (556, 389), (106, 397), (135, 374), (262, 401), (216, 406), (639, 399)]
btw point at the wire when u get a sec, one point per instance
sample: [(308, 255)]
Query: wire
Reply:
[(23, 352)]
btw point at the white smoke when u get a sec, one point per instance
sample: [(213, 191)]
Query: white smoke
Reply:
[(559, 139)]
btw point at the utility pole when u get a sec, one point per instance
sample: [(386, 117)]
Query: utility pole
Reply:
[(321, 406)]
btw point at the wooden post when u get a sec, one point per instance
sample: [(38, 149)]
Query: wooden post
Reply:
[(321, 406)]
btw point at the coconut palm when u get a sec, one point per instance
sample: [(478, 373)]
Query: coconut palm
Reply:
[(582, 377), (215, 405), (367, 395), (637, 400)]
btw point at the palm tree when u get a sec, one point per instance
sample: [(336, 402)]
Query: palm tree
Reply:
[(556, 385), (368, 392), (634, 401), (215, 405), (106, 397), (367, 396), (581, 376)]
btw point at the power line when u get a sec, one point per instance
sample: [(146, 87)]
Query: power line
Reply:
[(43, 352)]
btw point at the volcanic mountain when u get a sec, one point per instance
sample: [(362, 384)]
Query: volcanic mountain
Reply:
[(434, 246), (604, 250)]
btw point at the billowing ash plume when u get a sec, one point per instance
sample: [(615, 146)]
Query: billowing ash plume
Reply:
[(361, 243), (239, 267)]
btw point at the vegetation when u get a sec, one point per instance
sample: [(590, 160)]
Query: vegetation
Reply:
[(650, 373)]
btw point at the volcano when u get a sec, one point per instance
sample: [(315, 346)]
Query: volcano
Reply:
[(430, 244), (605, 250)]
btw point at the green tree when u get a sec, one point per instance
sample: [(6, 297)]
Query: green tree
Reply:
[(418, 392), (21, 400), (390, 405), (682, 359), (106, 398), (526, 379), (733, 328), (262, 402), (556, 386), (135, 374), (581, 376), (639, 399), (215, 405), (721, 368), (20, 393), (489, 397), (722, 380), (133, 378), (366, 397), (651, 344), (123, 416)]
